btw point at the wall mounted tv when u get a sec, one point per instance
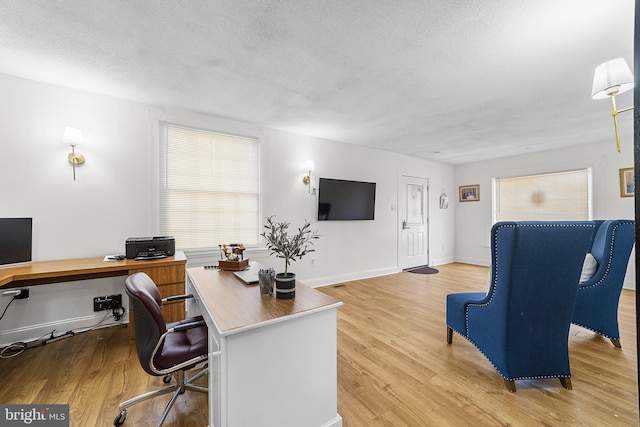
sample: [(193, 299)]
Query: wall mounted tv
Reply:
[(15, 240), (341, 200)]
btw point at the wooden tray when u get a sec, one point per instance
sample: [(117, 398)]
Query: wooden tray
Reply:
[(233, 265)]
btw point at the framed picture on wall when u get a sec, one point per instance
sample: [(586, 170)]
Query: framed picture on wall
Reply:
[(470, 193), (627, 183)]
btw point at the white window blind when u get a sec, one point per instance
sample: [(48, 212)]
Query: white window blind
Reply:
[(209, 187), (553, 196)]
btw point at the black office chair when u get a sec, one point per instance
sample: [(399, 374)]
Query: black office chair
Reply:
[(166, 350)]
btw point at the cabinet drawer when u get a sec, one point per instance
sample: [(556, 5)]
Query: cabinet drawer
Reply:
[(164, 275), (171, 290), (173, 311)]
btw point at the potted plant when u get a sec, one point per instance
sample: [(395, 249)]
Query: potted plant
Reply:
[(290, 247)]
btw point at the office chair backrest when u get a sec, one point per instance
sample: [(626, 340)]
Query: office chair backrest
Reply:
[(149, 322)]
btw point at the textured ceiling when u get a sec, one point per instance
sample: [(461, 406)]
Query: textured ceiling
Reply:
[(451, 81)]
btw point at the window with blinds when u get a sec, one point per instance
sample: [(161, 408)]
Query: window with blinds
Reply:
[(553, 196), (209, 187)]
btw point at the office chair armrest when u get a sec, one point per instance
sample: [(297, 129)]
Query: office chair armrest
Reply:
[(186, 326), (177, 298), (179, 328)]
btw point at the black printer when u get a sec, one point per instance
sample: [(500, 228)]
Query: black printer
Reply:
[(150, 247)]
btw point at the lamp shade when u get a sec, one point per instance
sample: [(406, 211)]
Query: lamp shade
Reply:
[(310, 165), (72, 136), (611, 78)]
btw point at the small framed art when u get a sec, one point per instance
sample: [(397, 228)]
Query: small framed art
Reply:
[(627, 183), (470, 193)]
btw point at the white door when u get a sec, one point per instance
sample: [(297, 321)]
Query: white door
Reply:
[(413, 248)]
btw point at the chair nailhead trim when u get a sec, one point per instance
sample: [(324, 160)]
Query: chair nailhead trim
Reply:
[(492, 290), (610, 258)]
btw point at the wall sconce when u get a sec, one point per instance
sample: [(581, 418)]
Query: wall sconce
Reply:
[(73, 137), (610, 79), (307, 178)]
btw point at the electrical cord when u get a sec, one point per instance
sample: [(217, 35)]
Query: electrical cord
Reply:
[(118, 312), (14, 349), (5, 309), (19, 347)]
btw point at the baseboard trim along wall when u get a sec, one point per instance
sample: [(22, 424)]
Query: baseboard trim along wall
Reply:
[(331, 280), (44, 330)]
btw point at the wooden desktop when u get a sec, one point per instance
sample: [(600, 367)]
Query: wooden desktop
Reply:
[(168, 273)]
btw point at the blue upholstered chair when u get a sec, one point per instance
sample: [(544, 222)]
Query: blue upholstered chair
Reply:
[(597, 301), (521, 325)]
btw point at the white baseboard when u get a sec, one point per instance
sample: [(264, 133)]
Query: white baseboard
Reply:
[(629, 283), (330, 280), (336, 422), (33, 332), (443, 261), (475, 261)]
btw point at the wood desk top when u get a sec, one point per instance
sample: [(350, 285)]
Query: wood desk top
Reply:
[(41, 272), (236, 307)]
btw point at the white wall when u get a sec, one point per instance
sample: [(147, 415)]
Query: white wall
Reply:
[(352, 249), (91, 216), (115, 196), (474, 219)]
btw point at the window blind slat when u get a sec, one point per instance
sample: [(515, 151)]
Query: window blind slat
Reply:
[(209, 187), (554, 196)]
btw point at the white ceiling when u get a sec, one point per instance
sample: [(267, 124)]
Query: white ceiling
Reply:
[(451, 81)]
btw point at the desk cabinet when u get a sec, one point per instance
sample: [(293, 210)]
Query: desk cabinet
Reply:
[(170, 281), (272, 363)]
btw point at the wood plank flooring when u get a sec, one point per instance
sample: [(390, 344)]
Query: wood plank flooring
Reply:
[(394, 368)]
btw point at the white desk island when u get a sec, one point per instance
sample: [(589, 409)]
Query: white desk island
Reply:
[(272, 362)]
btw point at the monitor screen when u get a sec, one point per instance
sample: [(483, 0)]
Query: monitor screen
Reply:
[(15, 240), (341, 200)]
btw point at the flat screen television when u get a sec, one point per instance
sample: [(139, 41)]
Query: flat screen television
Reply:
[(15, 240), (342, 200)]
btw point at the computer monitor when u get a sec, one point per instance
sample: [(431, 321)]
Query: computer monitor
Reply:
[(15, 240)]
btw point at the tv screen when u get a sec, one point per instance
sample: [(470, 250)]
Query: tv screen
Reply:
[(15, 240), (341, 200)]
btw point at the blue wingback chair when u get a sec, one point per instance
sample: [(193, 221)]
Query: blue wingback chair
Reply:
[(597, 300), (521, 325)]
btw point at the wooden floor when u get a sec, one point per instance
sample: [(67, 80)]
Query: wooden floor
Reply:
[(394, 368)]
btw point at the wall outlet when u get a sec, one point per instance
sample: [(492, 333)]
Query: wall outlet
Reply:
[(108, 302), (20, 293), (24, 293)]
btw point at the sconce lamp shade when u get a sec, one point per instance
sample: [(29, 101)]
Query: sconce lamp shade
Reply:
[(611, 78), (310, 165), (72, 136)]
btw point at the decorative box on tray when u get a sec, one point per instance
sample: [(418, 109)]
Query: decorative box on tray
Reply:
[(231, 257)]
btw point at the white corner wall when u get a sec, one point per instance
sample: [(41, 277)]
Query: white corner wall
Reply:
[(115, 197), (474, 219), (350, 250)]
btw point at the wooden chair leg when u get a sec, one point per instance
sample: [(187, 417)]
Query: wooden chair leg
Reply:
[(449, 335), (616, 342), (511, 385), (566, 382)]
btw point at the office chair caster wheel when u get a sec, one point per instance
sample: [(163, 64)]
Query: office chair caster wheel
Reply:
[(120, 419), (166, 379)]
